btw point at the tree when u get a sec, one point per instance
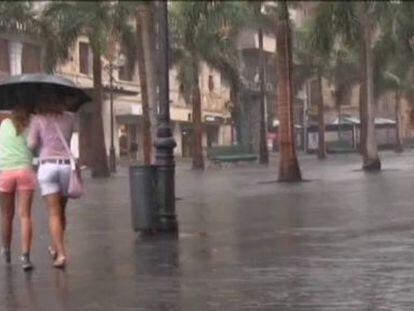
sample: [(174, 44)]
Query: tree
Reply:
[(289, 170), (353, 23), (344, 75), (394, 65), (200, 33), (144, 18), (98, 20), (263, 152), (311, 64)]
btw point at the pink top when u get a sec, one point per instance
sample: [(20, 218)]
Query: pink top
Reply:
[(43, 134)]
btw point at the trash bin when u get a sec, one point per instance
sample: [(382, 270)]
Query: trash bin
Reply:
[(143, 187)]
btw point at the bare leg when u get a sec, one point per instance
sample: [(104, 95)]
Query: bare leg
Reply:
[(63, 202), (25, 198), (7, 213), (53, 202)]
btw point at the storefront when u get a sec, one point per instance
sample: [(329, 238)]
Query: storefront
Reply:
[(212, 129), (127, 136)]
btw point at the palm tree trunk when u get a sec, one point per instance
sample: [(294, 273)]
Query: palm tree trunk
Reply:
[(152, 82), (399, 145), (141, 19), (321, 121), (289, 170), (198, 159), (235, 113), (371, 160), (263, 152), (339, 110), (99, 161), (362, 104), (84, 137)]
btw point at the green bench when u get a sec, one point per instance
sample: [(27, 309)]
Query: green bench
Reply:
[(231, 154), (340, 146)]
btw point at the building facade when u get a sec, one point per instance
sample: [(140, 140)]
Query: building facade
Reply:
[(305, 104), (21, 54)]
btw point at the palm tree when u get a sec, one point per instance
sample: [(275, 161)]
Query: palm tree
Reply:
[(343, 73), (352, 23), (98, 20), (260, 20), (147, 75), (311, 64), (289, 170), (200, 33), (394, 63)]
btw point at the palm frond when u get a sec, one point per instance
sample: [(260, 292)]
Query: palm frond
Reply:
[(200, 32)]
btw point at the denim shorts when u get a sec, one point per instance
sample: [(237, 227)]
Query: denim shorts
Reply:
[(54, 178)]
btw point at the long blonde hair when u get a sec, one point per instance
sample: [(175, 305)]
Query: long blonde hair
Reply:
[(21, 118)]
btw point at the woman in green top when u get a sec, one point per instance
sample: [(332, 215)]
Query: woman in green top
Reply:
[(17, 179)]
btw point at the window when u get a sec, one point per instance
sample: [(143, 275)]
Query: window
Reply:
[(126, 70), (210, 83), (4, 57), (31, 57), (84, 58), (15, 56), (224, 83)]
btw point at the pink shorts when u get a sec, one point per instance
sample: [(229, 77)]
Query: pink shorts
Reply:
[(20, 179)]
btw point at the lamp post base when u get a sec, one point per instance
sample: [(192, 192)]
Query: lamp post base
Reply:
[(112, 160), (167, 219)]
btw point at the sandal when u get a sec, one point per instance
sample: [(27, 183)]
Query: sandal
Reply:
[(60, 263), (52, 252)]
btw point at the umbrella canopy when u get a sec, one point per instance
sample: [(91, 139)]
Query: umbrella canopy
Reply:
[(30, 89)]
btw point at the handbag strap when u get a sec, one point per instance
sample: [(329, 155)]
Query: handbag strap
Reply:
[(63, 140)]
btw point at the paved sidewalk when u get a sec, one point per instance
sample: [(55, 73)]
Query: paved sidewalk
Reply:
[(344, 241)]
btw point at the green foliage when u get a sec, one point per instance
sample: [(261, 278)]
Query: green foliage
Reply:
[(100, 21), (336, 28), (335, 21), (394, 51), (18, 16), (21, 17), (203, 31)]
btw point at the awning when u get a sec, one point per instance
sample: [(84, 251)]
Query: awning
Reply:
[(213, 119), (118, 91), (127, 119), (276, 123), (356, 121)]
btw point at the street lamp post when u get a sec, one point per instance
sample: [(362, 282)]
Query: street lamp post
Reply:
[(164, 143), (263, 154), (112, 157)]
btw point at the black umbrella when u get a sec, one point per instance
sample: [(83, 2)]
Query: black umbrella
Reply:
[(30, 89)]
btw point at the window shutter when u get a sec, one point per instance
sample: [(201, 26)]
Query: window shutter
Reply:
[(31, 58), (4, 57)]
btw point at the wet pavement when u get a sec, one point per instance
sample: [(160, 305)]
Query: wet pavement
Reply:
[(342, 241)]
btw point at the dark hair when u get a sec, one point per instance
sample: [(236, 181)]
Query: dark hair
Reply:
[(49, 102)]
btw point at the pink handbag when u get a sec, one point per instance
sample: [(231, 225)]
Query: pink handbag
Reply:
[(75, 189)]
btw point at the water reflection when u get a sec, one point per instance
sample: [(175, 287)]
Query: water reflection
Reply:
[(32, 300), (10, 301), (155, 259), (61, 286), (157, 255)]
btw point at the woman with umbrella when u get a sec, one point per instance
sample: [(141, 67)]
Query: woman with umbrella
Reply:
[(50, 133), (17, 181), (50, 130)]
